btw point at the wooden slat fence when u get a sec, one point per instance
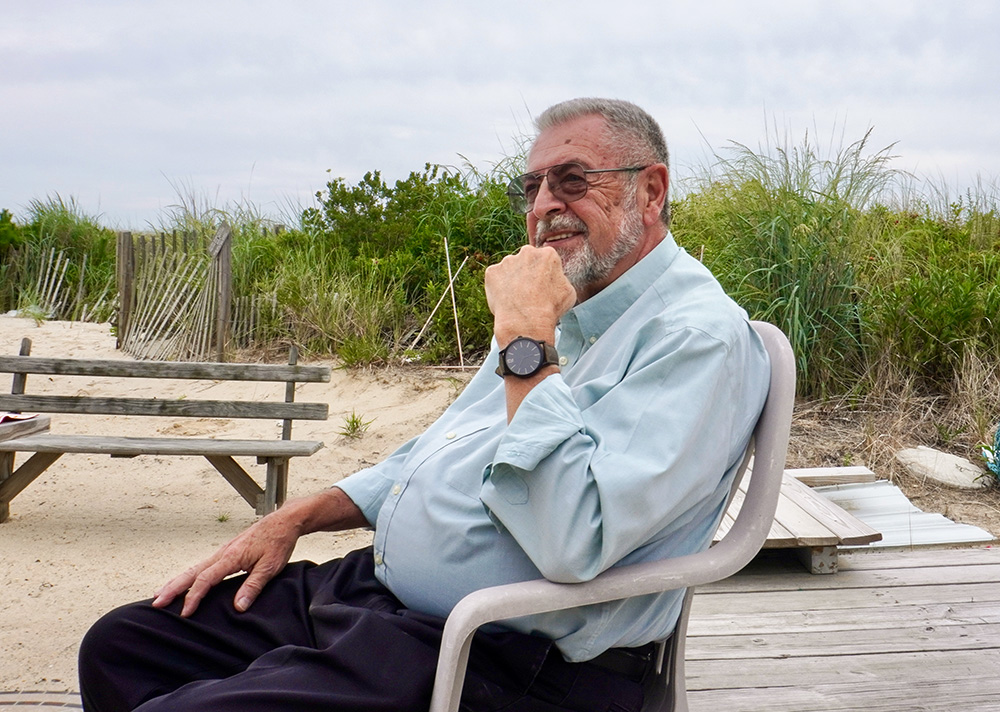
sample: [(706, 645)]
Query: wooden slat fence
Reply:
[(175, 295), (177, 299), (54, 287)]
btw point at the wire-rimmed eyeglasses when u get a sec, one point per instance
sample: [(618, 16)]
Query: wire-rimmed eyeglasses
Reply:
[(567, 182)]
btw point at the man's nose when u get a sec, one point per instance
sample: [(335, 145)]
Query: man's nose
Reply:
[(546, 203)]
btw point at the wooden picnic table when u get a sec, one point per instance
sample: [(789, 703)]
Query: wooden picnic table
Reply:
[(31, 436), (22, 426)]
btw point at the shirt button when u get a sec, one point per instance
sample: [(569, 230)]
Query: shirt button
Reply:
[(450, 436), (396, 489), (378, 559), (593, 339), (563, 360)]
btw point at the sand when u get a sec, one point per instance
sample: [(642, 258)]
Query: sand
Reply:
[(94, 532)]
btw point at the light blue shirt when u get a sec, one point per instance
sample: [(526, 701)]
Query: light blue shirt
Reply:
[(625, 455)]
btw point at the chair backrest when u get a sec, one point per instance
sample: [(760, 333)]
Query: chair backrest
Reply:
[(665, 691)]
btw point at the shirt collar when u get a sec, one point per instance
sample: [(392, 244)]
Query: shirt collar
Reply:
[(596, 314)]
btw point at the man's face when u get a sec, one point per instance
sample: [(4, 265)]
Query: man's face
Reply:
[(599, 236)]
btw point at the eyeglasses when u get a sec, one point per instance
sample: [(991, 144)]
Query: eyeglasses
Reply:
[(567, 182)]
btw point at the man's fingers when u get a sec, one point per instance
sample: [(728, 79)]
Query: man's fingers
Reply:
[(262, 551), (174, 587), (249, 591), (203, 583)]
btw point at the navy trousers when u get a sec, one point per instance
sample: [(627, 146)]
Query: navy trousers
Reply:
[(324, 637)]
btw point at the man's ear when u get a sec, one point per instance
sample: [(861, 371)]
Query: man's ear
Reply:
[(652, 193)]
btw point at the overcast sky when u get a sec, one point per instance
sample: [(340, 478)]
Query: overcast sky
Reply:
[(128, 106)]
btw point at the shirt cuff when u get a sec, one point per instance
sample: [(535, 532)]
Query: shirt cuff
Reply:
[(544, 420), (368, 490)]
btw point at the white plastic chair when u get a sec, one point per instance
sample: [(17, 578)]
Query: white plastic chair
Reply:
[(665, 691)]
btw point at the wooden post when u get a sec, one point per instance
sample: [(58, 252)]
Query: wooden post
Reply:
[(21, 379), (221, 250), (7, 458), (126, 284), (286, 426)]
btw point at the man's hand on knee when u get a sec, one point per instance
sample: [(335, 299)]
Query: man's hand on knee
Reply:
[(261, 551)]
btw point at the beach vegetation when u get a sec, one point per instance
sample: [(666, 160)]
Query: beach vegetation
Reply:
[(355, 426), (882, 283)]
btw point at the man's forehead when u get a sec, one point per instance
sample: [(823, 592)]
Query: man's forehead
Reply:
[(579, 140)]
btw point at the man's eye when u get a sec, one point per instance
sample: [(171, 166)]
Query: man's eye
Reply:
[(573, 183), (531, 187)]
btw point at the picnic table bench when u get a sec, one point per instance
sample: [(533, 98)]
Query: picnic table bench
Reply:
[(808, 522), (48, 446)]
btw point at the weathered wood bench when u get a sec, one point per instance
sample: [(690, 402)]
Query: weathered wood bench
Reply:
[(49, 446), (809, 523)]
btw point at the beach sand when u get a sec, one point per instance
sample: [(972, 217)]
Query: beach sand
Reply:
[(94, 532)]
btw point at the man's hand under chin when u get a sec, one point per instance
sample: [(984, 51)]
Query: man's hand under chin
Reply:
[(528, 293)]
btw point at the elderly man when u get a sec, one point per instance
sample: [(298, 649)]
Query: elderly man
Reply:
[(604, 429)]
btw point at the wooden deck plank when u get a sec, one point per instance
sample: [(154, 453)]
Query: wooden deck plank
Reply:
[(968, 573), (919, 558), (822, 600), (845, 526), (804, 519), (819, 476), (847, 619), (893, 631), (820, 669), (905, 695), (904, 636)]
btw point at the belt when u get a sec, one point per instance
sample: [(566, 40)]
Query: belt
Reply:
[(632, 663)]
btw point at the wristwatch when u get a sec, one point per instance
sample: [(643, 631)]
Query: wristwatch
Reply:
[(525, 357)]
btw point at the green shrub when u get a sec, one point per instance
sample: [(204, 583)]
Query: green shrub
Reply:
[(417, 232), (935, 294)]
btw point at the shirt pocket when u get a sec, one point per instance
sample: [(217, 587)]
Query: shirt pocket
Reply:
[(460, 461)]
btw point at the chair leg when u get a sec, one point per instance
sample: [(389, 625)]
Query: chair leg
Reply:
[(678, 688), (666, 690)]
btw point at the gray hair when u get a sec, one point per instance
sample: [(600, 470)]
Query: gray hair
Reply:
[(632, 134)]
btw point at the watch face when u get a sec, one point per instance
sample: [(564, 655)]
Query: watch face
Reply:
[(523, 357)]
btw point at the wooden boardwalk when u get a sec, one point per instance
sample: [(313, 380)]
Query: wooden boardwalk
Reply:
[(892, 631)]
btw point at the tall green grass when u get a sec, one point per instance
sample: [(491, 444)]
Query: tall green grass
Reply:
[(336, 306), (780, 227), (934, 298), (873, 284)]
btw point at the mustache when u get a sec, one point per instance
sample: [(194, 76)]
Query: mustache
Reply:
[(559, 222)]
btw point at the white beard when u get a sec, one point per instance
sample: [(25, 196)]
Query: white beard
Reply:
[(583, 266)]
